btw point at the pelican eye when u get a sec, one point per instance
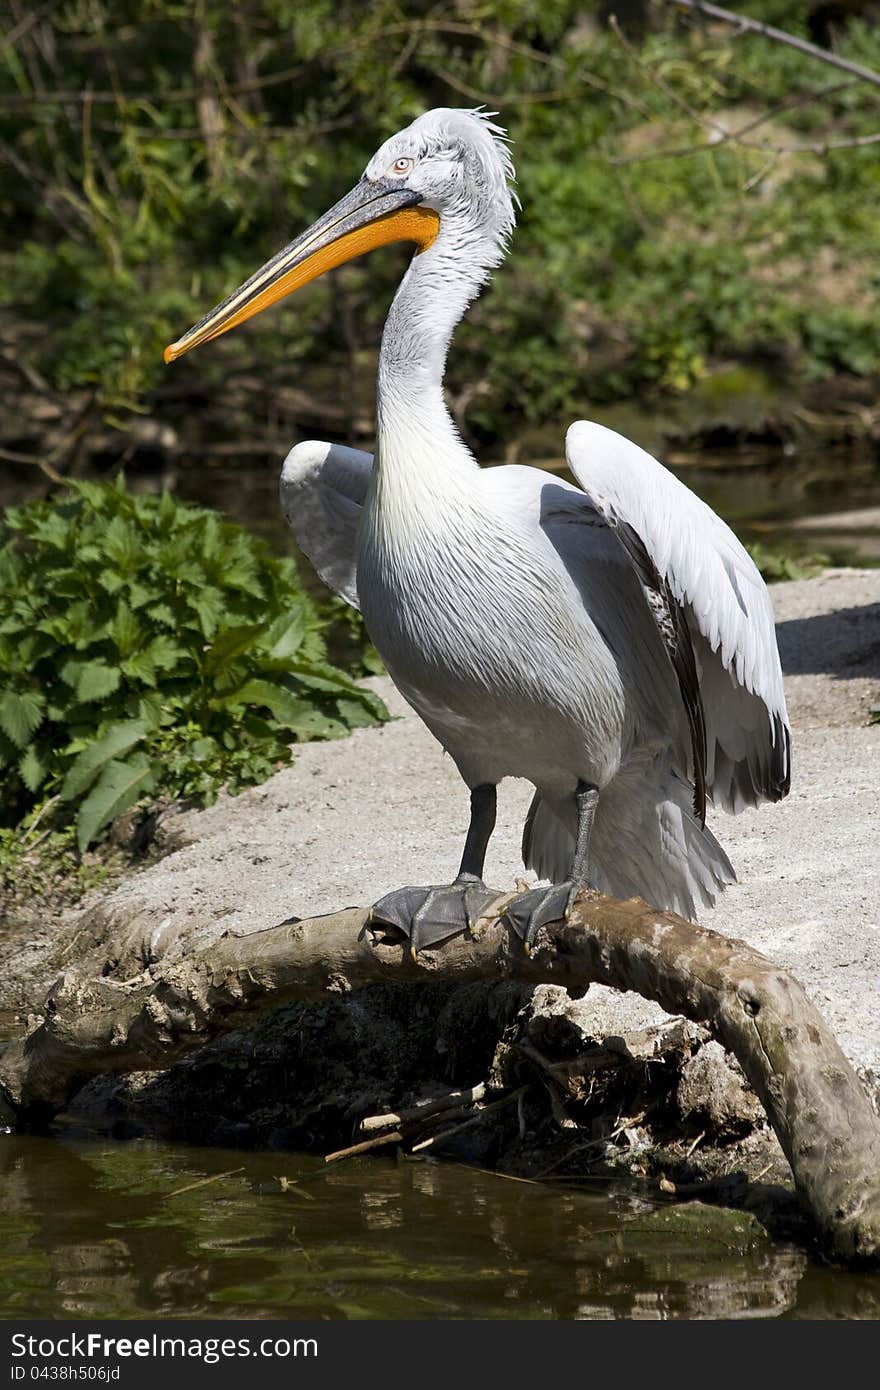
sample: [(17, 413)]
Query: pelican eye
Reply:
[(402, 165)]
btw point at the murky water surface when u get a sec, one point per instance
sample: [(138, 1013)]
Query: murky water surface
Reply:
[(93, 1229), (804, 503)]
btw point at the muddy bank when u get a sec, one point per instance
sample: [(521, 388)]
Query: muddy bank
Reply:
[(603, 1084)]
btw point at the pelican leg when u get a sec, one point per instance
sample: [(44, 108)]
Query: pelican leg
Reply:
[(534, 909), (429, 916)]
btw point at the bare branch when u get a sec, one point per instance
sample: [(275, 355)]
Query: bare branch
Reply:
[(756, 26), (719, 134), (766, 147)]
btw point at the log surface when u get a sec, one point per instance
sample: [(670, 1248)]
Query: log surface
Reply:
[(759, 1012)]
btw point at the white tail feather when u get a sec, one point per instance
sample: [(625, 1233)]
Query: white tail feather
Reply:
[(646, 842)]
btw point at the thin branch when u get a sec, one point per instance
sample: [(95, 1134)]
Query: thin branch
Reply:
[(469, 1123), (424, 1110), (820, 147), (745, 25), (379, 1141), (719, 134), (12, 456)]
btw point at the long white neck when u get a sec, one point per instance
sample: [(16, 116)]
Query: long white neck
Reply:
[(418, 447)]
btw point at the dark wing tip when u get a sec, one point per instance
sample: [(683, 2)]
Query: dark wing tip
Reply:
[(672, 625)]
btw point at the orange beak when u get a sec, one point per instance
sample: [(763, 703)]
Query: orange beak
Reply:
[(374, 213)]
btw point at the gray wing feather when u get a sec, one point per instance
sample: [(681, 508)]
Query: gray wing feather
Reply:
[(323, 490), (720, 595), (672, 625)]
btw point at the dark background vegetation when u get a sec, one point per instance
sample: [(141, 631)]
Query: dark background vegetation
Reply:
[(153, 153)]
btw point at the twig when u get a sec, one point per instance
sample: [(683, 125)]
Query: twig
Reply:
[(732, 137), (719, 134), (453, 1100), (699, 1139), (508, 1177), (561, 1117), (204, 1182), (395, 1137), (746, 25), (594, 1143), (474, 1119), (11, 456)]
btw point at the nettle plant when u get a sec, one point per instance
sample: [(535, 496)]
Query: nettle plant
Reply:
[(147, 648)]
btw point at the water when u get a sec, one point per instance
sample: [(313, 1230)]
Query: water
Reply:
[(805, 502), (92, 1229), (825, 501)]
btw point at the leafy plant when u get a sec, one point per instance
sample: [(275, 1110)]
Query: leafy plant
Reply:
[(776, 564), (200, 138), (149, 647)]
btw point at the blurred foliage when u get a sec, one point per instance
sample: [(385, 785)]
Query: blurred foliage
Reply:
[(777, 564), (153, 153), (149, 648)]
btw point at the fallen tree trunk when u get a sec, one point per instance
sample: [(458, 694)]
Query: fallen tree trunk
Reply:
[(814, 1101)]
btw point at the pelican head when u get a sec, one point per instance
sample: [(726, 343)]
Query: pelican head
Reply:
[(445, 179)]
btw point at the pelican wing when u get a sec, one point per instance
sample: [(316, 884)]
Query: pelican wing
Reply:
[(323, 490), (712, 582)]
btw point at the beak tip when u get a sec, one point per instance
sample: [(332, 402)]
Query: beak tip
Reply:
[(170, 353)]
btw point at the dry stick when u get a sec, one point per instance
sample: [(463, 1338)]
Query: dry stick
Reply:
[(204, 1182), (393, 1138), (473, 1120), (453, 1100), (759, 1012)]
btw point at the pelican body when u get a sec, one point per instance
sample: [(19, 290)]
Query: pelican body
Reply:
[(611, 642)]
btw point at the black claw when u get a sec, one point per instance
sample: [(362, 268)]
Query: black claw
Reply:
[(531, 911), (431, 916)]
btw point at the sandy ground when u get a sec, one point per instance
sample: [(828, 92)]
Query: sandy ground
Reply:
[(351, 820)]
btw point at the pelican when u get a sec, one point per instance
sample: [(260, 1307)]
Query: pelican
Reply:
[(611, 642)]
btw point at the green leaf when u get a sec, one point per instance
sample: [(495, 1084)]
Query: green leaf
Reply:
[(230, 643), (125, 631), (162, 613), (285, 636), (210, 607), (286, 708), (96, 680), (117, 739), (320, 675), (166, 654), (356, 714), (141, 667), (21, 714), (122, 544), (33, 767), (119, 787), (111, 581)]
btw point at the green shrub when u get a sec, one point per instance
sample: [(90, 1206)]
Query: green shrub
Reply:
[(149, 647), (130, 212)]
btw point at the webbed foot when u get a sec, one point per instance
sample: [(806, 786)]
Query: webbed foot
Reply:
[(430, 916), (529, 912)]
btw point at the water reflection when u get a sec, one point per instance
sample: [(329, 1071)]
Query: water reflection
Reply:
[(765, 494), (97, 1229)]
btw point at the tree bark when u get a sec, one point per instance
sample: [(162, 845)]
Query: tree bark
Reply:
[(813, 1098)]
